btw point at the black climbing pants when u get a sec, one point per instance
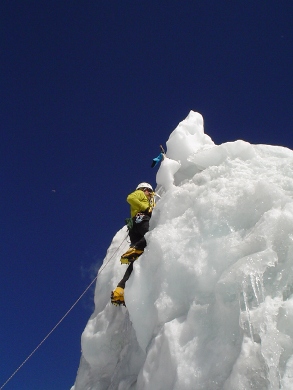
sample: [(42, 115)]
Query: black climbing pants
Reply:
[(126, 276), (136, 234), (137, 240)]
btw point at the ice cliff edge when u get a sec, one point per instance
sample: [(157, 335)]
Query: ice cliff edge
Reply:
[(209, 304)]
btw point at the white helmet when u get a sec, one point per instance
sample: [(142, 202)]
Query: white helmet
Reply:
[(145, 185)]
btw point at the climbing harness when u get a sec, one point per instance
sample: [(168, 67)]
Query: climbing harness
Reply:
[(65, 315), (140, 217)]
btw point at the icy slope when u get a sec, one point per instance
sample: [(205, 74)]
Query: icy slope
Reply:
[(209, 304)]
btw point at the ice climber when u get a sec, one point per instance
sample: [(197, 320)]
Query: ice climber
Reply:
[(141, 202)]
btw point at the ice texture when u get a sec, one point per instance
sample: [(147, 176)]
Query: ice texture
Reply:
[(210, 301)]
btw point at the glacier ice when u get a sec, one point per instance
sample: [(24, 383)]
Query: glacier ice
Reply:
[(210, 302)]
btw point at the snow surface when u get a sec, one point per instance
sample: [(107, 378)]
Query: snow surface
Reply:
[(210, 302)]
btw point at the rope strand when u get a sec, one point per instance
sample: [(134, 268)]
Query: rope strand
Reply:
[(65, 315)]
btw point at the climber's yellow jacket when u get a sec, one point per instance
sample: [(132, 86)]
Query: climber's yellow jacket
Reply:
[(139, 202)]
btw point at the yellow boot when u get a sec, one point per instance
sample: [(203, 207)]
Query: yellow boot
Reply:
[(131, 255), (117, 296)]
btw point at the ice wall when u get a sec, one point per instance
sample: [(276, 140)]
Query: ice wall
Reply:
[(210, 302)]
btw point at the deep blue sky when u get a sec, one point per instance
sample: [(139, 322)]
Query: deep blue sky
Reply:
[(89, 89)]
